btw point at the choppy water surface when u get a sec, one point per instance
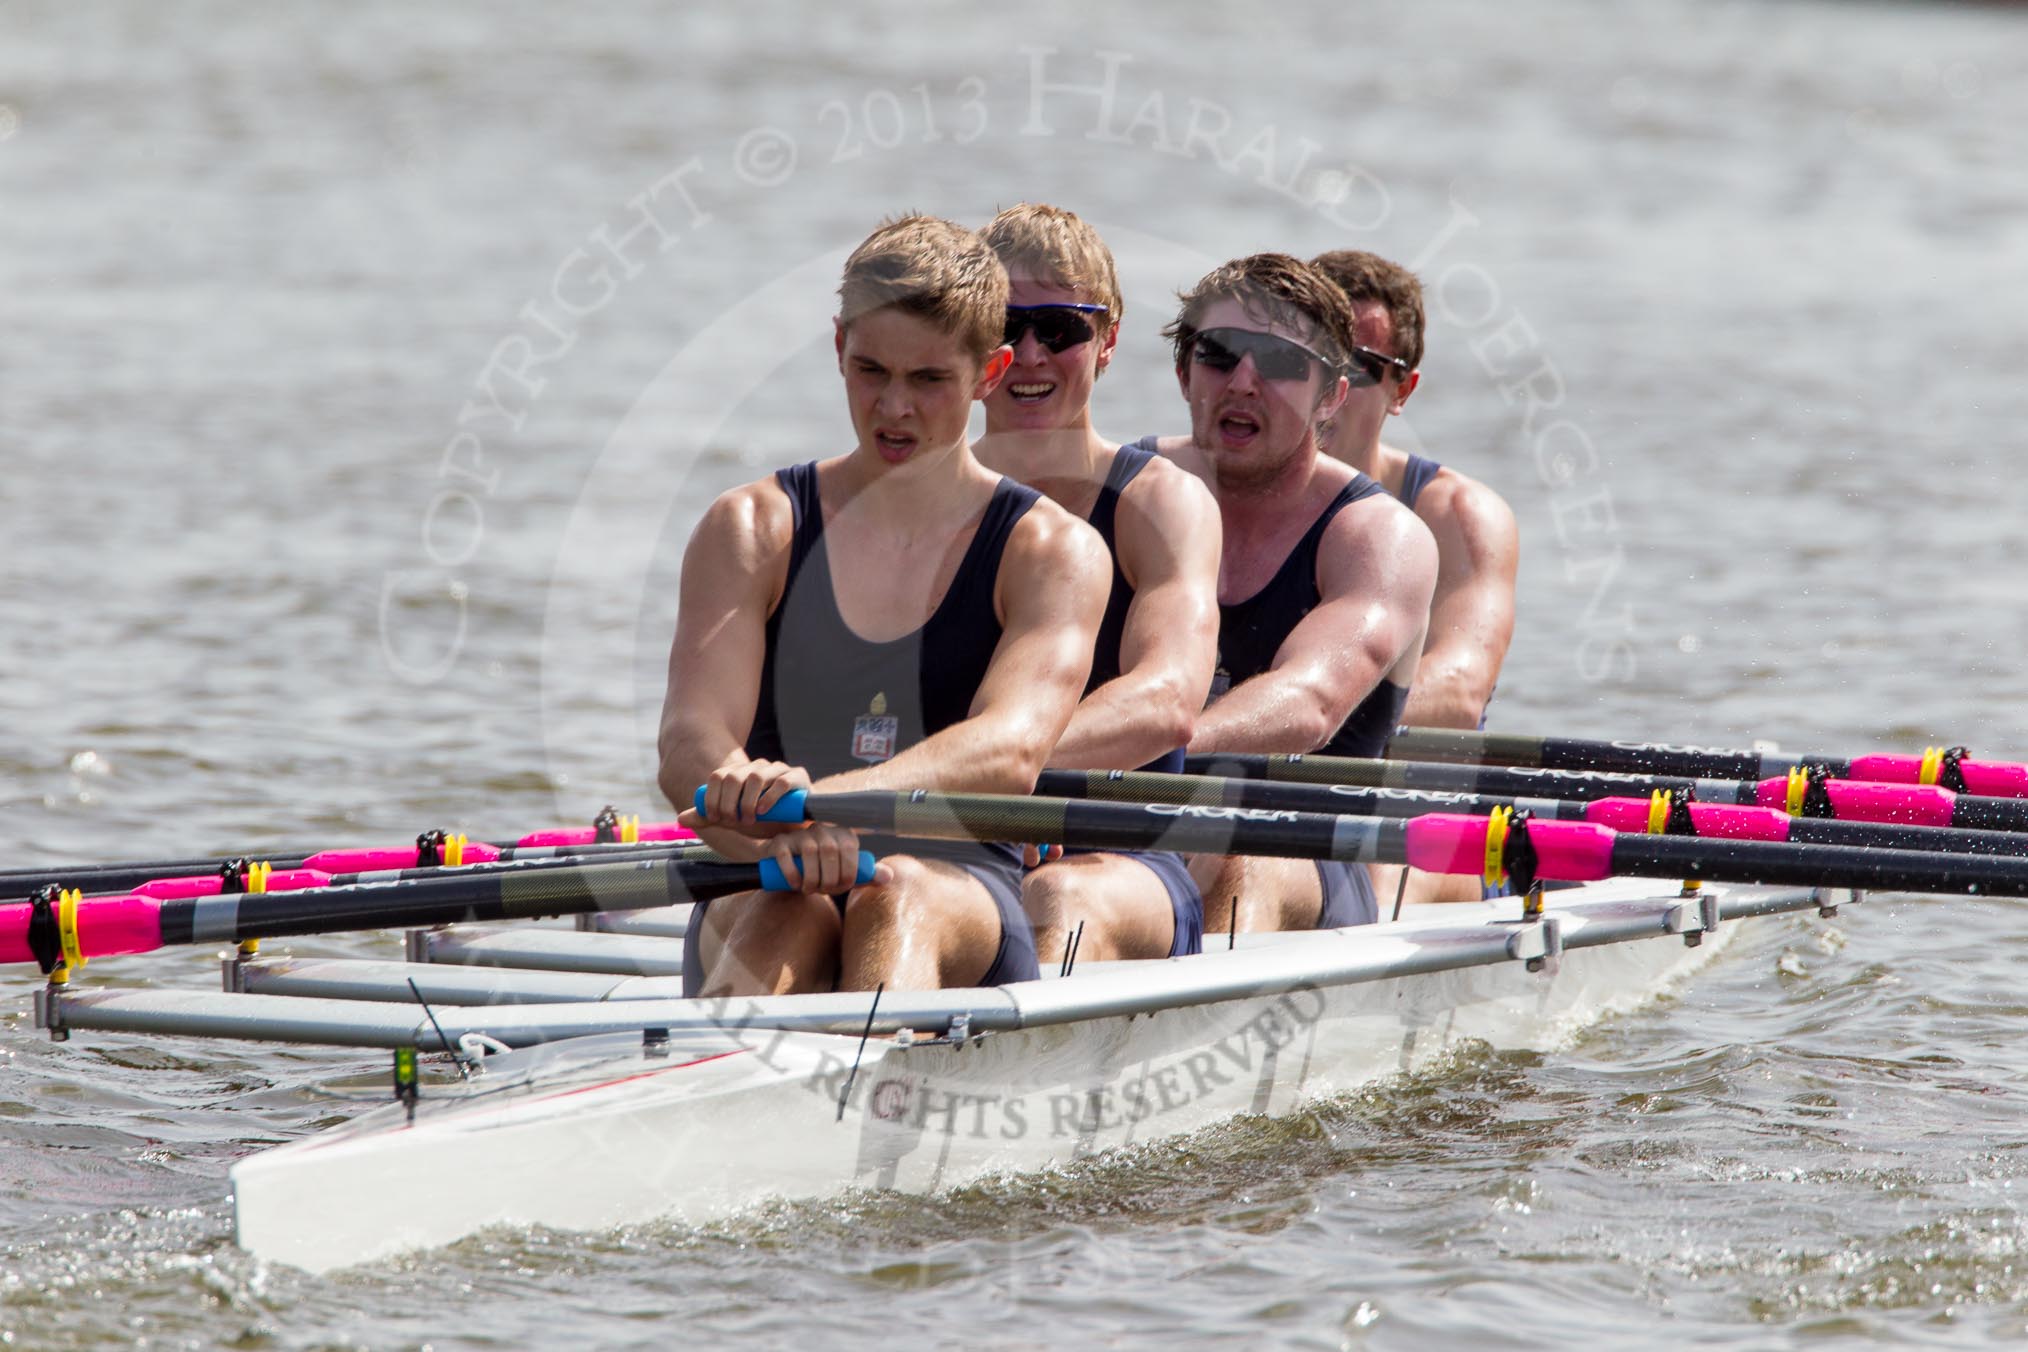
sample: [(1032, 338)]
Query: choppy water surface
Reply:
[(350, 439)]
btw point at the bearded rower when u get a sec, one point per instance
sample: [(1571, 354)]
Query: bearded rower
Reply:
[(1325, 580)]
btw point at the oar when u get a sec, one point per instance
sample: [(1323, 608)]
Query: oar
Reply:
[(1802, 793), (249, 877), (431, 849), (1947, 767), (1663, 812), (1495, 847), (60, 931)]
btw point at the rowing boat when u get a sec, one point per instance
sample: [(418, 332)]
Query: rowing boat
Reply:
[(612, 1101), (593, 1095)]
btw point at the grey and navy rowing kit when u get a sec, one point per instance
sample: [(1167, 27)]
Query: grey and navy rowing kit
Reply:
[(831, 701), (1252, 631), (1416, 475), (1186, 905)]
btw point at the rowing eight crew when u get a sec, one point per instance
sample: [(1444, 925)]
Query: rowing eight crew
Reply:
[(923, 613)]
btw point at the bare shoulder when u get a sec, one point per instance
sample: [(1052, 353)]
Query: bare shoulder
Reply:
[(1049, 538), (1378, 536), (1164, 493), (1457, 505), (747, 528), (1380, 518)]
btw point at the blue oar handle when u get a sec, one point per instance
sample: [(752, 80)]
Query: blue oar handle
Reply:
[(788, 808), (772, 879)]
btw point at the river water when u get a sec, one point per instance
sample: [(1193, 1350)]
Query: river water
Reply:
[(365, 369)]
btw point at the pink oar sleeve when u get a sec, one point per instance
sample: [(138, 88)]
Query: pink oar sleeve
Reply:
[(105, 926), (209, 885), (1987, 779), (649, 832), (1444, 842), (1856, 800), (1721, 820), (375, 860)]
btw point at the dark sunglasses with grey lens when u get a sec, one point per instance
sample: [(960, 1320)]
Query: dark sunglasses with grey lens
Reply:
[(1274, 357), (1370, 367), (1057, 327)]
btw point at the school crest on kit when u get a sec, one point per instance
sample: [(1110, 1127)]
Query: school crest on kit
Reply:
[(875, 732)]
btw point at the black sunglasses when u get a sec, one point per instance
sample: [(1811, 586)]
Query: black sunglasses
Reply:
[(1057, 327), (1372, 367), (1274, 357)]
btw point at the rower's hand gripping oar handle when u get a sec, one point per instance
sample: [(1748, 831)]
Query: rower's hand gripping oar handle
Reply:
[(772, 878), (792, 807)]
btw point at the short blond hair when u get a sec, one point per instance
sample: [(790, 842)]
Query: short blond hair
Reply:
[(1059, 247), (931, 268)]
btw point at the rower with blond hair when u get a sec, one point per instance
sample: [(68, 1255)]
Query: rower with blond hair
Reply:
[(895, 617), (1157, 642)]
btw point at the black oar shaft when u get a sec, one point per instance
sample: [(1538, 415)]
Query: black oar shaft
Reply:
[(1569, 753), (1439, 778), (1990, 814), (1573, 855), (451, 900), (123, 877), (1894, 836), (118, 877), (1108, 826), (1144, 786), (1971, 812), (1754, 861)]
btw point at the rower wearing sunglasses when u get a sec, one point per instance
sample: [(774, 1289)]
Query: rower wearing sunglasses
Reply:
[(1325, 582), (1471, 619), (1152, 663)]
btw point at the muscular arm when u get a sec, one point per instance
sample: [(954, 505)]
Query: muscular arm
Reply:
[(1375, 576), (1168, 535), (732, 571), (1471, 617), (1051, 594)]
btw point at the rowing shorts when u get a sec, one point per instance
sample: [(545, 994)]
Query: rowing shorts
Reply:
[(1348, 895), (1000, 874), (1186, 903), (998, 869)]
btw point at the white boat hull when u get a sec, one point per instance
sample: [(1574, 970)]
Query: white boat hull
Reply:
[(602, 1131)]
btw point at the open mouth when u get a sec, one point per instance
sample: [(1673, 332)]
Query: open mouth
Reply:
[(1238, 428), (1031, 391), (894, 445)]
